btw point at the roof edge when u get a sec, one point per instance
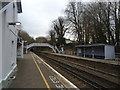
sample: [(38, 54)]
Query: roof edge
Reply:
[(91, 45)]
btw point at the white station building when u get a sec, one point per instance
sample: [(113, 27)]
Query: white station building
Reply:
[(8, 40)]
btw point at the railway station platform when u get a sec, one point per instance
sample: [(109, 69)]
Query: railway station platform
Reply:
[(33, 72)]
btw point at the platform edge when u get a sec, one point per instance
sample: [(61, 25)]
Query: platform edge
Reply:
[(71, 85)]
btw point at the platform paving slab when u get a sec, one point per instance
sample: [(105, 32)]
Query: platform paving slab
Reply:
[(28, 75)]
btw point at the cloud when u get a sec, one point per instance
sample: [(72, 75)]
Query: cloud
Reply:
[(38, 15)]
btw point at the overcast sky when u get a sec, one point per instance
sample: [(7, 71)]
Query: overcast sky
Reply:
[(38, 15)]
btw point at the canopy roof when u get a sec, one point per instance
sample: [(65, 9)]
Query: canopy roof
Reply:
[(92, 45)]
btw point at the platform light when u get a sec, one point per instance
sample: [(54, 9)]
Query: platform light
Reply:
[(14, 23)]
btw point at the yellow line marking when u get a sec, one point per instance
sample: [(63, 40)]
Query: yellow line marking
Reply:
[(41, 73)]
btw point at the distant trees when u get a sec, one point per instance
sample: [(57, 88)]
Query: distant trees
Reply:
[(41, 40), (26, 37), (94, 22)]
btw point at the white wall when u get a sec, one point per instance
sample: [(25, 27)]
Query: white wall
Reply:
[(109, 52), (9, 41), (0, 47)]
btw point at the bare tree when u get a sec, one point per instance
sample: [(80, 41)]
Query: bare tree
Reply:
[(116, 18), (74, 14), (52, 37), (59, 26)]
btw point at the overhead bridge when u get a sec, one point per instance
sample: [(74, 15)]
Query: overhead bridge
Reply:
[(54, 48)]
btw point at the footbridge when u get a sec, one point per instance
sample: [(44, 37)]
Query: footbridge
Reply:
[(54, 48)]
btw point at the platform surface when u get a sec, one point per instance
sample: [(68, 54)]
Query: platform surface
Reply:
[(113, 62), (33, 73)]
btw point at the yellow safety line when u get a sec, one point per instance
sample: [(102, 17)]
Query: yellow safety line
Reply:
[(41, 73)]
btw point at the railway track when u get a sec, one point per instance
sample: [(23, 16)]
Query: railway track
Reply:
[(96, 78)]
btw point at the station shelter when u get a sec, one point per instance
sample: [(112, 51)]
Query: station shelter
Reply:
[(100, 51)]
